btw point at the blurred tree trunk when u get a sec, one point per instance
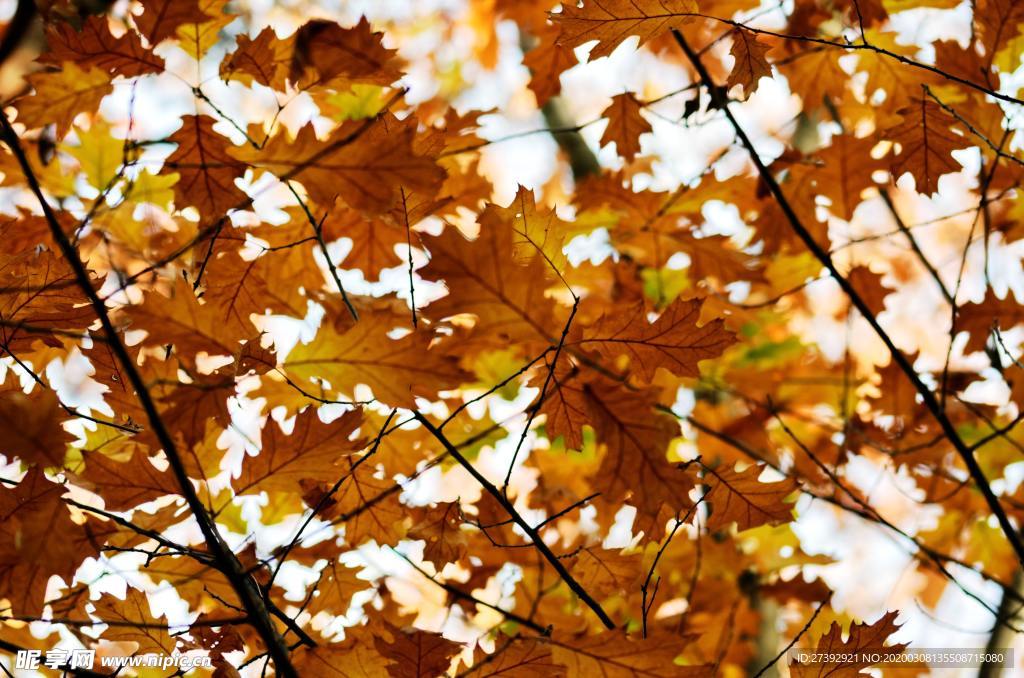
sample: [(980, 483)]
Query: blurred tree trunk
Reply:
[(1002, 635)]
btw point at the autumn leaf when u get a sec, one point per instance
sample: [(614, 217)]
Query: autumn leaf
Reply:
[(373, 240), (863, 639), (740, 497), (979, 318), (869, 287), (38, 540), (376, 289), (612, 21), (347, 660), (547, 61), (608, 572), (751, 63), (625, 125), (160, 19), (336, 585), (674, 341), (94, 46), (38, 290), (135, 622), (537, 231), (565, 409), (206, 169), (616, 655), (124, 485), (847, 166), (198, 33), (186, 322), (365, 163), (32, 422), (342, 56), (926, 144), (417, 654), (439, 528), (396, 370), (264, 59), (61, 95), (312, 450), (636, 439), (507, 300), (366, 501)]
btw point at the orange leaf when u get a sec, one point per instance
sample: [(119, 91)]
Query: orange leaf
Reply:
[(312, 450), (740, 497), (125, 485), (625, 125), (674, 341), (38, 540), (926, 145), (365, 163), (61, 95), (32, 426), (206, 169), (863, 638), (751, 64), (396, 370), (613, 654), (612, 21), (93, 45), (160, 19), (137, 623)]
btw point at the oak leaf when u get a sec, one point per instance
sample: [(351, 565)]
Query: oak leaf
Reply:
[(863, 639), (160, 19), (612, 21), (200, 32), (93, 45), (869, 287), (134, 622), (343, 56), (519, 656), (366, 503), (926, 145), (635, 439), (186, 322), (365, 163), (674, 341), (538, 232), (547, 61), (613, 654), (606, 572), (334, 589), (61, 95), (312, 450), (440, 529), (740, 497), (979, 318), (38, 540), (351, 659), (509, 302), (207, 170), (847, 166), (32, 427), (264, 59), (751, 63), (396, 370), (38, 288), (416, 653), (625, 125), (124, 485)]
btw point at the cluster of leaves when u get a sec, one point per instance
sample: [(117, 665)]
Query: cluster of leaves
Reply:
[(147, 261)]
